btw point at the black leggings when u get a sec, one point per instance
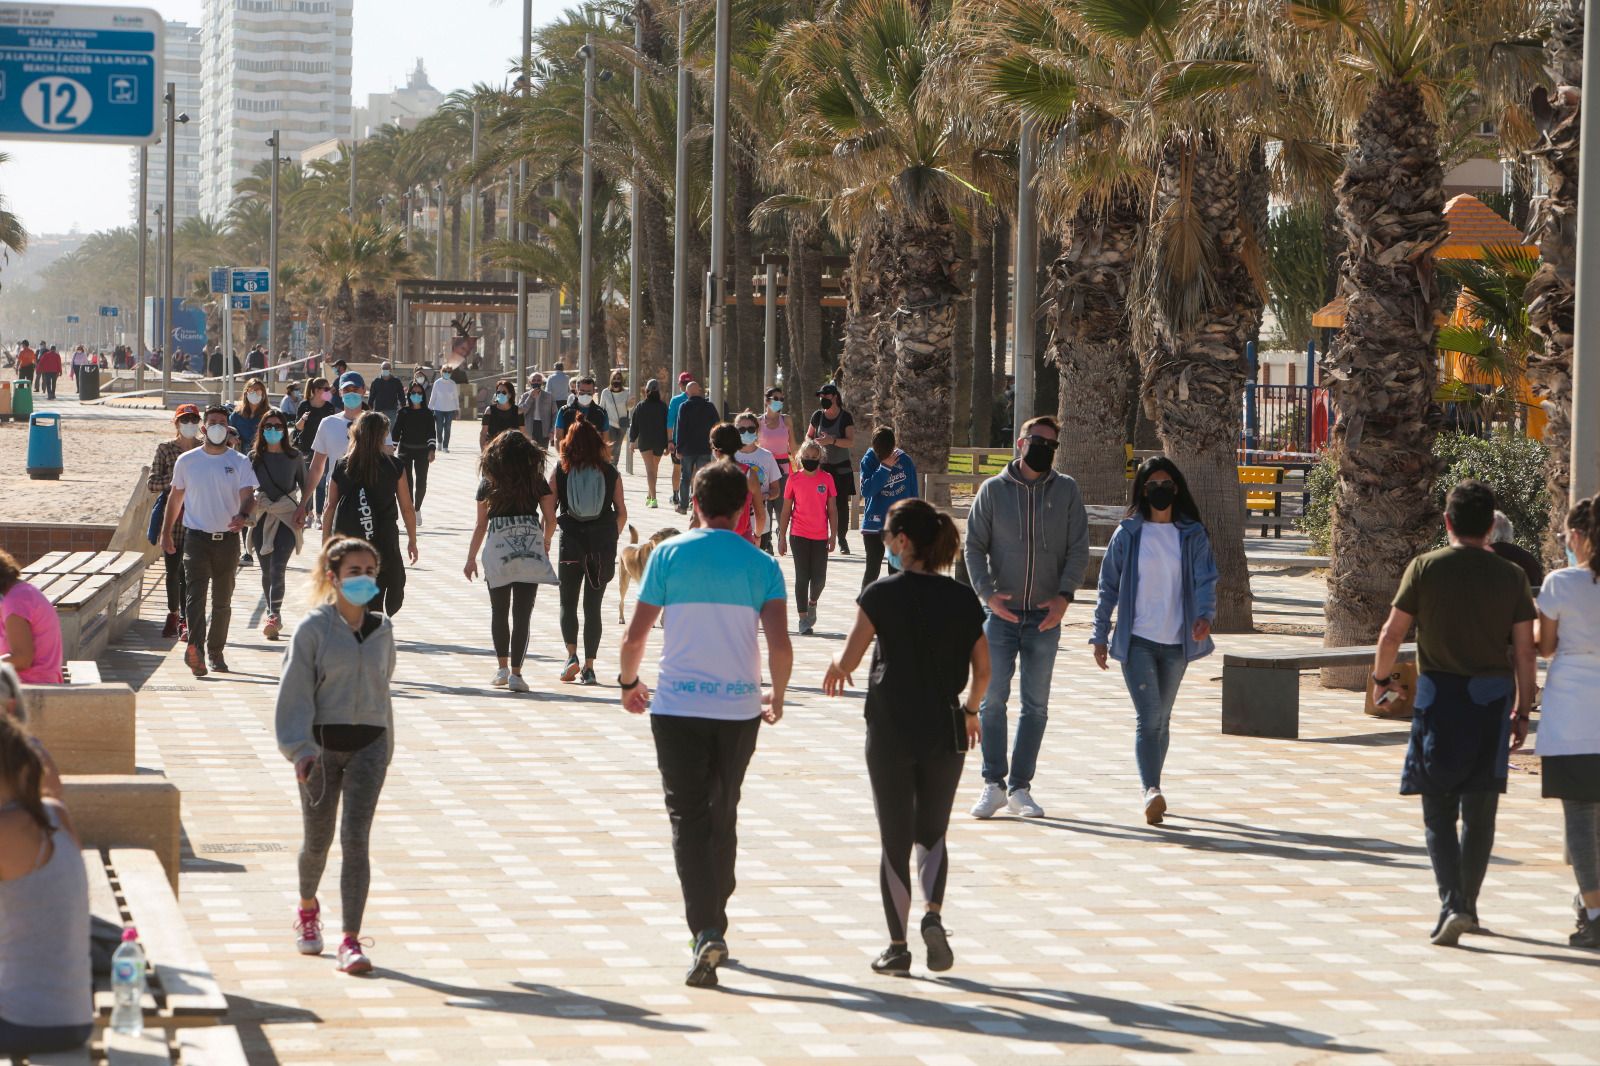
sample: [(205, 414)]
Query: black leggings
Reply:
[(177, 589), (416, 467), (391, 573), (810, 570), (510, 607), (912, 796), (572, 582), (874, 544), (842, 507)]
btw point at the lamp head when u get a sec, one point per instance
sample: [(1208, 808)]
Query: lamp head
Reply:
[(183, 116)]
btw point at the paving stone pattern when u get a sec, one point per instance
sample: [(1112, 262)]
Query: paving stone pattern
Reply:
[(524, 907)]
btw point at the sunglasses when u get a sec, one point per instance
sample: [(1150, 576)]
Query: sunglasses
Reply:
[(1045, 442)]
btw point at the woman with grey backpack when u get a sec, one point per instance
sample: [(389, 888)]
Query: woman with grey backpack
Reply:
[(592, 515)]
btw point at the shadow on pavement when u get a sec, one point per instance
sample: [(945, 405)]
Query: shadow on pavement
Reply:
[(1249, 841), (541, 1001)]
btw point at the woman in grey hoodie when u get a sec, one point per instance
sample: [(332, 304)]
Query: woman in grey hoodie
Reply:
[(335, 723)]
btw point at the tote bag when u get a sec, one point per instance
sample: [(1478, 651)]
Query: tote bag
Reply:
[(514, 551)]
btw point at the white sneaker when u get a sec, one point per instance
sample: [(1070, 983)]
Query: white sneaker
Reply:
[(1155, 806), (990, 802), (501, 677), (1021, 804), (516, 684)]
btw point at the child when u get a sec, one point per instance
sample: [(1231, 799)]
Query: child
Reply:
[(335, 723)]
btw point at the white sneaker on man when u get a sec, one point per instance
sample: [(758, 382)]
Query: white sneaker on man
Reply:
[(1021, 804), (991, 801)]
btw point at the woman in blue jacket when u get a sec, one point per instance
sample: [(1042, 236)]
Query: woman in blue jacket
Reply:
[(1161, 579), (887, 476)]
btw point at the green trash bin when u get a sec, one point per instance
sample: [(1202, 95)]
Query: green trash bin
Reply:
[(21, 400)]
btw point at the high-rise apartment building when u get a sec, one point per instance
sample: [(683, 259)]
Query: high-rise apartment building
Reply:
[(183, 70), (269, 65), (403, 107)]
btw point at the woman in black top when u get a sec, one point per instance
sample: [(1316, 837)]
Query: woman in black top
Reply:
[(647, 429), (317, 405), (834, 428), (414, 435), (500, 415), (515, 511), (280, 511), (592, 517), (367, 495), (929, 630)]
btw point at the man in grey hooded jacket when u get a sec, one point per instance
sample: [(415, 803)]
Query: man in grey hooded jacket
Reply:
[(1026, 552)]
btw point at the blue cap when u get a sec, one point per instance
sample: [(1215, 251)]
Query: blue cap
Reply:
[(350, 377)]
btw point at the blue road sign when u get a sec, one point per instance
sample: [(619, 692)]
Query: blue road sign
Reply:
[(110, 312), (257, 280), (238, 303), (72, 320), (72, 72), (219, 279)]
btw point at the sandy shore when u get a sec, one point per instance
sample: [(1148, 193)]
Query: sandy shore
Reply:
[(103, 450)]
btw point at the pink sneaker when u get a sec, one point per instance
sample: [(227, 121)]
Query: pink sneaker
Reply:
[(308, 931), (352, 959)]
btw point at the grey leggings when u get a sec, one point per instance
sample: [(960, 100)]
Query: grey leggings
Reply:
[(1583, 841), (358, 777)]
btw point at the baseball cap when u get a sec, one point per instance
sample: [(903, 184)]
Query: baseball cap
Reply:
[(349, 378), (830, 389), (653, 385), (186, 410), (685, 377)]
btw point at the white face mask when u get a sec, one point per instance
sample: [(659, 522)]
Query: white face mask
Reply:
[(189, 430), (253, 397), (217, 433), (584, 399)]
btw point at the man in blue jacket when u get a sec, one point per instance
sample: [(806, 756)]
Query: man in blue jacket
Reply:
[(887, 476), (1027, 550)]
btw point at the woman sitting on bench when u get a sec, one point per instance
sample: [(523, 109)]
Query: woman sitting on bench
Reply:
[(30, 632), (46, 998)]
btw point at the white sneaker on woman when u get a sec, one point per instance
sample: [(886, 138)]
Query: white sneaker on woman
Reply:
[(502, 677), (1155, 806), (516, 684), (1021, 804)]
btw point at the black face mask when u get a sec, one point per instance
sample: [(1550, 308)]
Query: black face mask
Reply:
[(810, 464), (1161, 495), (1038, 457)]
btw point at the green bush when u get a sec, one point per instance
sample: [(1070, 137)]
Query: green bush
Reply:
[(1511, 465)]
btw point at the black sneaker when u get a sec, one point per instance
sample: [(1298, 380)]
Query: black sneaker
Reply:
[(1587, 934), (940, 957), (587, 676), (895, 961), (1448, 932), (709, 951)]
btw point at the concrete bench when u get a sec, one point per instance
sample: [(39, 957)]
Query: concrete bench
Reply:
[(97, 596), (1261, 691), (127, 811), (88, 728)]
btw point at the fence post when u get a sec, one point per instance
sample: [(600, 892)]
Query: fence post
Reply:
[(1311, 390), (1252, 418)]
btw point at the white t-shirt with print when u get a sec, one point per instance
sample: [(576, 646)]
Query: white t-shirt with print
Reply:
[(333, 437)]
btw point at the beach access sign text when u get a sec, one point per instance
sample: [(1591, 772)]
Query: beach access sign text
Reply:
[(71, 72)]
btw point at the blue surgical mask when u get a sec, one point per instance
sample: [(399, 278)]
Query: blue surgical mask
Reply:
[(359, 590), (894, 558), (272, 436), (776, 405), (416, 398), (1572, 557), (352, 400), (499, 397), (748, 438)]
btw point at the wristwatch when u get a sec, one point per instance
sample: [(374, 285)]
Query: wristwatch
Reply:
[(1380, 681), (626, 685)]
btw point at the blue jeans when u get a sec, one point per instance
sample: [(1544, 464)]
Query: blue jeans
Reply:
[(441, 427), (1007, 642), (1152, 672)]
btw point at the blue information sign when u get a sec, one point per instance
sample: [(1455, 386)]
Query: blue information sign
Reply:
[(257, 280), (110, 312), (219, 279), (239, 303), (72, 320), (72, 72)]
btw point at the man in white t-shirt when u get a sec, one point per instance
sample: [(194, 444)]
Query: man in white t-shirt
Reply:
[(213, 487), (333, 433)]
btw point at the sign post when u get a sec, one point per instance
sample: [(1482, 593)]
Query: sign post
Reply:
[(241, 285), (80, 73)]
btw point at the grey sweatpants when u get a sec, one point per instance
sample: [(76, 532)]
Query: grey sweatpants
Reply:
[(1583, 842), (358, 777)]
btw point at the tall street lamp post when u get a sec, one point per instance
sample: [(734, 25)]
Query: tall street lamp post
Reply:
[(144, 241), (173, 118), (680, 206), (635, 284), (1024, 282), (716, 308), (518, 191), (275, 142), (1585, 465), (586, 233)]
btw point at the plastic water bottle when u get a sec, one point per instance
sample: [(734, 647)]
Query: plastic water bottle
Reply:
[(127, 985)]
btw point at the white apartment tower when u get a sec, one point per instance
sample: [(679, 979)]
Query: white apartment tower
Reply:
[(269, 65), (183, 70)]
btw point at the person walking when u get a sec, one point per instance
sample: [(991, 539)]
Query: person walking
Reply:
[(516, 521), (584, 399), (290, 404), (692, 436), (333, 434), (499, 416), (244, 420), (335, 725), (647, 430), (777, 436), (413, 432), (49, 370), (317, 405), (367, 499), (444, 399), (558, 384), (538, 411), (186, 435), (592, 514), (1568, 745), (30, 631), (929, 633), (887, 476), (809, 515), (614, 402), (680, 487), (1160, 578), (1026, 553), (1503, 542), (388, 392), (213, 488), (764, 465), (718, 594), (751, 523), (1472, 700), (27, 359), (834, 428), (280, 511)]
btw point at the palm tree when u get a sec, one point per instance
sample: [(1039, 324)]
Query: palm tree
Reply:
[(355, 260), (1494, 335), (13, 235)]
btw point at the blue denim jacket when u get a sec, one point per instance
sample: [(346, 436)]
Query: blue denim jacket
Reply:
[(1119, 587)]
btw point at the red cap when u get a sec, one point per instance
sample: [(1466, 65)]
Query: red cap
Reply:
[(685, 377), (186, 409)]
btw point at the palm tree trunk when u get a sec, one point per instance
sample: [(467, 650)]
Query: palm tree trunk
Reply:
[(744, 360), (866, 287), (961, 430), (1087, 300), (982, 336), (923, 329), (455, 236), (344, 314), (804, 311), (1550, 295), (657, 255), (1194, 369), (1046, 375), (1383, 367)]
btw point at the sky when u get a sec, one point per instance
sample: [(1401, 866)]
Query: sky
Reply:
[(56, 189)]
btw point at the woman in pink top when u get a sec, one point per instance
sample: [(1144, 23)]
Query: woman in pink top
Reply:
[(809, 515), (777, 437), (30, 634)]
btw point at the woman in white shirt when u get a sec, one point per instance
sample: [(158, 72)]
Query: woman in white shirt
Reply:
[(1568, 633), (1160, 579), (614, 401)]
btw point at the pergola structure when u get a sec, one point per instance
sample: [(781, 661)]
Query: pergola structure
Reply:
[(423, 296)]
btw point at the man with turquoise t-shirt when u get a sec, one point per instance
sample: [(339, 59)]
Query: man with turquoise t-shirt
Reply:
[(718, 592)]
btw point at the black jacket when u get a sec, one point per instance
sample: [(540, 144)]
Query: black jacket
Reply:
[(414, 429), (647, 425), (695, 419), (387, 393)]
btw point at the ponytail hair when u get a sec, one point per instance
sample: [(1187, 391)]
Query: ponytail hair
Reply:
[(1585, 518), (22, 770), (328, 562), (932, 533)]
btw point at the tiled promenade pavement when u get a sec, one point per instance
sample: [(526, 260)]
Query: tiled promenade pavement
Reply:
[(524, 907)]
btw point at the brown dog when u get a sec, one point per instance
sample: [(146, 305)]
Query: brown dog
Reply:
[(634, 557)]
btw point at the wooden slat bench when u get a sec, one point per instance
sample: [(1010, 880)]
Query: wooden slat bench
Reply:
[(1261, 691), (1267, 504), (89, 728), (97, 596)]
